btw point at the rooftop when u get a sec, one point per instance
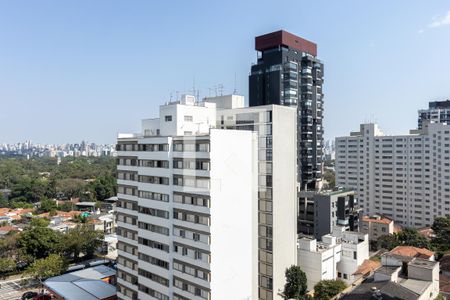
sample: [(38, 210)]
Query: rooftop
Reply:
[(423, 263), (85, 284), (387, 290), (367, 267), (410, 251), (284, 38), (415, 285), (377, 219)]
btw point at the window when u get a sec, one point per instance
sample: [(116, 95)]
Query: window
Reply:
[(168, 118), (188, 119)]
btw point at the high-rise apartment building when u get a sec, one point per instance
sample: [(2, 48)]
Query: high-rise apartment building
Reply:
[(187, 208), (403, 177), (289, 73), (207, 202), (437, 112), (277, 189)]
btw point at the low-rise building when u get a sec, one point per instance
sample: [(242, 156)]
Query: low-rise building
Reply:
[(355, 250), (104, 223), (406, 273), (337, 256), (320, 212), (376, 226), (318, 259), (96, 283)]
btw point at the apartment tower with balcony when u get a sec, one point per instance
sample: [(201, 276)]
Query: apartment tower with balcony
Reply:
[(403, 177), (207, 202), (187, 208), (437, 112), (288, 72)]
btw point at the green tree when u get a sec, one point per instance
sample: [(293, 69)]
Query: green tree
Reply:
[(8, 248), (29, 189), (329, 176), (3, 201), (39, 222), (296, 283), (327, 289), (20, 203), (43, 268), (71, 187), (39, 242), (441, 228), (406, 237), (412, 237), (66, 206), (47, 205), (7, 265), (82, 239)]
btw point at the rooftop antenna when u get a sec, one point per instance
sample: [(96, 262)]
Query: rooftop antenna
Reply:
[(220, 89), (215, 90), (170, 97), (177, 92), (235, 90), (210, 89)]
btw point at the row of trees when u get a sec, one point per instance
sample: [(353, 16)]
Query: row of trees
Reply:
[(33, 180), (39, 247), (296, 286)]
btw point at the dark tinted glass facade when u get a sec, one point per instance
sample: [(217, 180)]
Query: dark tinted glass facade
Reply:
[(288, 73)]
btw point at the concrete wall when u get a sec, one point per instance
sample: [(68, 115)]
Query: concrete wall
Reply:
[(284, 133), (233, 217)]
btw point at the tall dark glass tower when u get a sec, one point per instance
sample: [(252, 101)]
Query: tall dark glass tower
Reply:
[(289, 73)]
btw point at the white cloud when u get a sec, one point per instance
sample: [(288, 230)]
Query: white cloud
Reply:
[(440, 21), (420, 31)]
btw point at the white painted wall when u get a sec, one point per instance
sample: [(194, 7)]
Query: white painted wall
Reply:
[(284, 136), (233, 217)]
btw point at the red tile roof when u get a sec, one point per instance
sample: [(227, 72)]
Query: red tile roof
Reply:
[(367, 267), (374, 220), (8, 229), (411, 251)]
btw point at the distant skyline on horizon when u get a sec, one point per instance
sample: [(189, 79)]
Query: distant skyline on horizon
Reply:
[(89, 70)]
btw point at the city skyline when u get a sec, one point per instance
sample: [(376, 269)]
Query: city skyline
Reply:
[(68, 70)]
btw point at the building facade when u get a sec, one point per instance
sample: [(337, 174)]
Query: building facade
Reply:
[(405, 177), (277, 188), (319, 259), (320, 212), (337, 256), (437, 112), (289, 73), (376, 226), (186, 213), (202, 191)]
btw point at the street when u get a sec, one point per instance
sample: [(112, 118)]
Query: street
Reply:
[(13, 289)]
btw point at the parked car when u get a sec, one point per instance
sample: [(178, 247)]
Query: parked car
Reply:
[(29, 295)]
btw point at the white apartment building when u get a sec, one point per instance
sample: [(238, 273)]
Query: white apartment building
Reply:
[(403, 177), (206, 212), (337, 256), (187, 208)]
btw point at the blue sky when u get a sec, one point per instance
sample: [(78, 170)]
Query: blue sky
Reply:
[(72, 70)]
